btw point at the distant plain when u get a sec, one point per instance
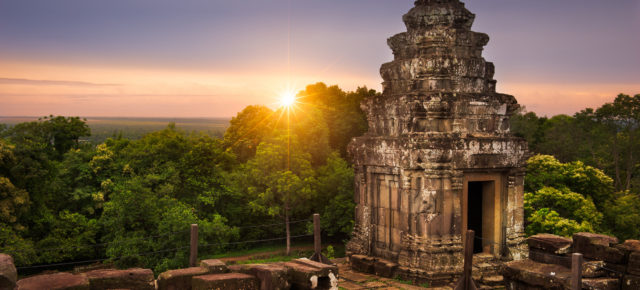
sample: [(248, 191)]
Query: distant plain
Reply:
[(134, 128)]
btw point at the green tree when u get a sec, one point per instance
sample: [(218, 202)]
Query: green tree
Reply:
[(559, 197), (546, 171), (146, 228), (622, 117), (247, 129), (560, 212), (340, 109), (622, 216), (546, 220), (335, 191), (157, 186), (276, 190)]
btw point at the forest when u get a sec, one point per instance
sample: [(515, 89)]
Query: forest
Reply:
[(63, 200), (61, 197)]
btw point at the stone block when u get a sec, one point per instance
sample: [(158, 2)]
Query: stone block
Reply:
[(57, 281), (547, 258), (593, 269), (549, 243), (180, 278), (225, 281), (598, 247), (580, 239), (631, 245), (634, 264), (630, 282), (8, 273), (134, 279), (517, 285), (547, 276), (600, 283), (241, 268), (362, 263), (214, 266), (385, 268), (307, 274), (615, 270), (272, 277)]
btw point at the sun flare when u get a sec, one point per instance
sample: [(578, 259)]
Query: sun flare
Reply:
[(287, 99)]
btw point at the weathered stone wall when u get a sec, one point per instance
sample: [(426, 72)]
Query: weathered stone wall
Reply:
[(439, 120), (211, 274), (8, 273), (607, 264)]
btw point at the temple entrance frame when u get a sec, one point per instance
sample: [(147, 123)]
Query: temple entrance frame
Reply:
[(493, 189)]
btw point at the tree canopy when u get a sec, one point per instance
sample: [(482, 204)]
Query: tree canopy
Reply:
[(132, 201)]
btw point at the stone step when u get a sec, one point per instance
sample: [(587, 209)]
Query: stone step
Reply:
[(487, 267), (494, 280), (484, 258)]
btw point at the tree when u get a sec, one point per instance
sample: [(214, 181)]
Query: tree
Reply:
[(247, 129), (530, 127), (335, 191), (145, 227), (340, 109), (560, 211), (559, 197), (546, 171), (14, 203), (606, 138), (622, 216), (275, 190), (54, 135), (622, 117)]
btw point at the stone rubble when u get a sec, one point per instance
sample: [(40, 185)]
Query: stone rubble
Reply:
[(212, 274), (607, 264)]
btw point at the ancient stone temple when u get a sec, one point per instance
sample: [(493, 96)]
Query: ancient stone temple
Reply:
[(438, 158)]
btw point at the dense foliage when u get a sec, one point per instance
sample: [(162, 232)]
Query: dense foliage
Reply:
[(589, 180), (132, 201)]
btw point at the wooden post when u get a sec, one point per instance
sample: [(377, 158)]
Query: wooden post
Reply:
[(466, 281), (317, 245), (576, 271), (193, 257)]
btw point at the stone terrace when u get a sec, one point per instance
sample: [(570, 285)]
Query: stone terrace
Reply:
[(211, 274)]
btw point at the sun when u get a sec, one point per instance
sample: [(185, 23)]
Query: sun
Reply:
[(287, 99)]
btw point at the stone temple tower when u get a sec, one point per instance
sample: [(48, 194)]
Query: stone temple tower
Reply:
[(438, 158)]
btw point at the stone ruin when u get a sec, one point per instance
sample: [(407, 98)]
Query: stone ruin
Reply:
[(438, 158), (608, 264), (211, 274)]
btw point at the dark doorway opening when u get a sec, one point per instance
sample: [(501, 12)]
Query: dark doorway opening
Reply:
[(474, 216)]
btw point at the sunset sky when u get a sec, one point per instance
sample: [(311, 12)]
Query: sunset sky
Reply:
[(211, 58)]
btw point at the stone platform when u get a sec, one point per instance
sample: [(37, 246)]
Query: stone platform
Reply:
[(211, 274)]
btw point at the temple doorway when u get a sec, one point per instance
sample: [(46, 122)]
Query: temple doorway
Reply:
[(481, 205)]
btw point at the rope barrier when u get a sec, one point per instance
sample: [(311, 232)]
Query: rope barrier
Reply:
[(149, 237), (155, 252), (613, 271), (100, 260), (254, 241), (106, 243), (276, 224)]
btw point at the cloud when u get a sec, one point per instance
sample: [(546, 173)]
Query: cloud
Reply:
[(13, 81)]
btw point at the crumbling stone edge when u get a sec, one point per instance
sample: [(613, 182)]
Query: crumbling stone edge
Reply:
[(211, 274)]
